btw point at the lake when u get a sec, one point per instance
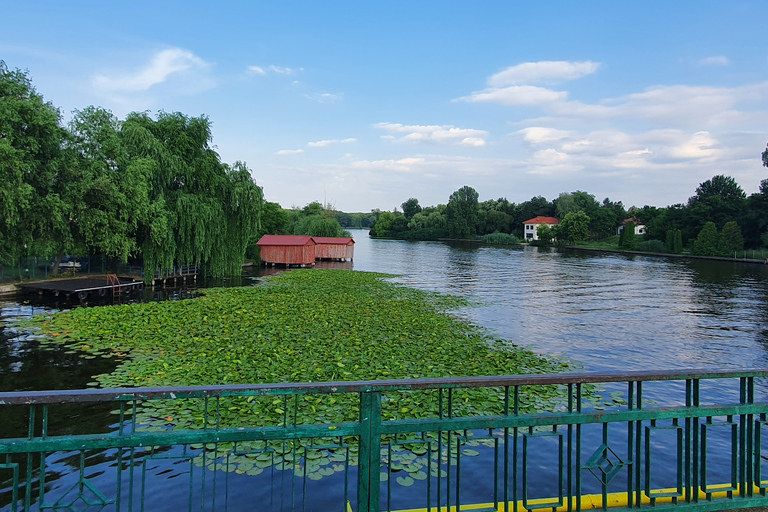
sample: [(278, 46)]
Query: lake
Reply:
[(600, 311)]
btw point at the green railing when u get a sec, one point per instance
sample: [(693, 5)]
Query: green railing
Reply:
[(664, 440)]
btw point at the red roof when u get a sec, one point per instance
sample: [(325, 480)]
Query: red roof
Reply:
[(633, 220), (332, 240), (542, 220), (285, 240)]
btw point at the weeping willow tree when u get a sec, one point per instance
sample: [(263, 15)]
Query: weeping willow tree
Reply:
[(198, 209)]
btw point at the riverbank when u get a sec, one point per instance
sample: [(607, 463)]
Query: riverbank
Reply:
[(665, 255)]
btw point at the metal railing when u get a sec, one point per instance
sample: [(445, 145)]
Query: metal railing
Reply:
[(664, 440)]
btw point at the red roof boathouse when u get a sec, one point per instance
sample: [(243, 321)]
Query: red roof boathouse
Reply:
[(287, 250), (333, 248)]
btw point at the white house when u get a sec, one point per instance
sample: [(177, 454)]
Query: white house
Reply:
[(532, 226), (639, 228)]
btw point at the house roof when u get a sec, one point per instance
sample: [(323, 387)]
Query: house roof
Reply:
[(333, 240), (637, 222), (285, 240), (542, 220)]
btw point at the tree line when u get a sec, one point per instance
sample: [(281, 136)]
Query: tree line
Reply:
[(716, 221), (147, 188)]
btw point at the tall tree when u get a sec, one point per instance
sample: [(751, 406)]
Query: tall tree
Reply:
[(462, 211), (411, 207), (573, 228), (31, 140)]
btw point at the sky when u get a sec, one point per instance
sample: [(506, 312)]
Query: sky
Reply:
[(363, 105)]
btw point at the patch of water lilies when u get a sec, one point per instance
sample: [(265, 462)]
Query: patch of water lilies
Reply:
[(301, 326)]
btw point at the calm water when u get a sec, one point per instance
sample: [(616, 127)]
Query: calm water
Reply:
[(601, 311), (604, 311)]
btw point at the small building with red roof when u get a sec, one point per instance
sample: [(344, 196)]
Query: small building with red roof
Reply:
[(334, 248), (287, 250), (639, 228), (531, 226)]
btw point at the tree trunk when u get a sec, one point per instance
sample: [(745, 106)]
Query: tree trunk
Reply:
[(57, 262)]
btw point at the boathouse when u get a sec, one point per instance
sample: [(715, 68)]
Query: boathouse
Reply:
[(287, 250), (334, 248), (532, 226)]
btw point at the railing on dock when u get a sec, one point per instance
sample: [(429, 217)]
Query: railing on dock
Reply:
[(666, 440)]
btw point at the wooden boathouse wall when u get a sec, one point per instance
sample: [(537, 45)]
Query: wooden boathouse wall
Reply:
[(287, 249), (333, 248)]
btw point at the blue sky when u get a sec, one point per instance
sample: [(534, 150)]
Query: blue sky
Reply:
[(364, 105)]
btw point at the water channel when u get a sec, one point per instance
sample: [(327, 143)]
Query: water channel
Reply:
[(602, 312)]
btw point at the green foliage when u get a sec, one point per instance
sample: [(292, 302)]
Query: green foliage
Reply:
[(462, 212), (731, 238), (708, 241), (627, 240), (677, 248), (545, 234), (500, 239), (30, 158), (765, 157), (303, 326), (573, 228), (411, 207)]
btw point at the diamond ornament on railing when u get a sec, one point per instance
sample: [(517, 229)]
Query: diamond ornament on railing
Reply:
[(604, 464), (81, 497)]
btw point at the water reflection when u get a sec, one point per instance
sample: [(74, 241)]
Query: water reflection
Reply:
[(606, 311)]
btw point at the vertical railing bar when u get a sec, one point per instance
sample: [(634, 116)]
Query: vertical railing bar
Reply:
[(214, 492), (205, 455), (440, 452), (578, 448), (28, 483), (505, 489), (630, 445), (689, 487), (346, 476), (697, 447), (389, 476), (680, 467), (449, 449), (605, 484), (638, 445), (515, 431), (735, 451), (648, 462), (742, 459), (750, 420), (495, 472), (458, 474), (569, 494)]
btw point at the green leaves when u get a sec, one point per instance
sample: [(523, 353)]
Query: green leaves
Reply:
[(300, 326)]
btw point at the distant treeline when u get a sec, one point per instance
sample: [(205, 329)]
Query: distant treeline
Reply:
[(717, 220)]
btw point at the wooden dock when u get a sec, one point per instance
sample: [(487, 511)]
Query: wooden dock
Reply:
[(83, 287)]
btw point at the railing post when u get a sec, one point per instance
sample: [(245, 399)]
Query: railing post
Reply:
[(369, 466)]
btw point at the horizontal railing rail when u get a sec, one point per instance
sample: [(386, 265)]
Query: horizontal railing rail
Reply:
[(669, 439)]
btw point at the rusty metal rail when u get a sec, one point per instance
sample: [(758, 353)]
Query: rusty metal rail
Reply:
[(662, 440)]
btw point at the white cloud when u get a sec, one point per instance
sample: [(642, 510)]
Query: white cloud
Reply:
[(161, 67), (719, 60), (513, 86), (323, 143), (284, 70), (434, 134), (290, 152), (256, 70), (518, 95), (544, 71), (325, 97)]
